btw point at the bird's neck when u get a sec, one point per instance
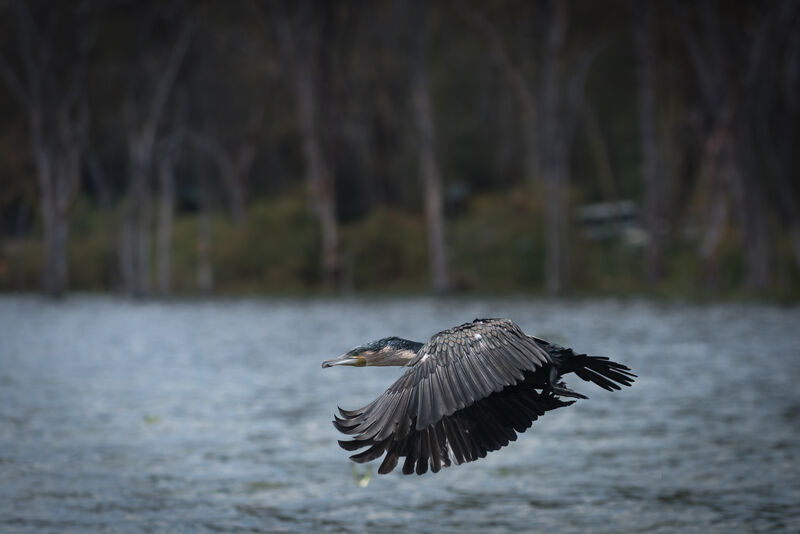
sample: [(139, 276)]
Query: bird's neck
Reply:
[(396, 354)]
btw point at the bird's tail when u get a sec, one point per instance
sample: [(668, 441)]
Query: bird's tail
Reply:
[(599, 370), (602, 371)]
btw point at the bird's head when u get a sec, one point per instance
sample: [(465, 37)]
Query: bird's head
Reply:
[(383, 352)]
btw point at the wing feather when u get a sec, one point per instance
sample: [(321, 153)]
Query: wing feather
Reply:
[(436, 449)]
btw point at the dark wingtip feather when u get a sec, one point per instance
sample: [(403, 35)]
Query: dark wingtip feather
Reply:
[(354, 445), (344, 426), (408, 464), (389, 462), (370, 454), (350, 413), (605, 373), (422, 466)]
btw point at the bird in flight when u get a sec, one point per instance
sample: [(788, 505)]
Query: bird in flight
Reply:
[(466, 392)]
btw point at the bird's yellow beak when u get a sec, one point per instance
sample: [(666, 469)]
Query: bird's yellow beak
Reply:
[(346, 359)]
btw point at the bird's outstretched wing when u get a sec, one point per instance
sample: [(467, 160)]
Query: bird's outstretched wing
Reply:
[(468, 390)]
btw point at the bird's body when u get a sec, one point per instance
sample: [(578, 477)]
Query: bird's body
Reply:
[(467, 391)]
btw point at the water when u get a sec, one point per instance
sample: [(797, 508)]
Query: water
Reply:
[(214, 416)]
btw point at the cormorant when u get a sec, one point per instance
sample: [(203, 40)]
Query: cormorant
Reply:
[(466, 392)]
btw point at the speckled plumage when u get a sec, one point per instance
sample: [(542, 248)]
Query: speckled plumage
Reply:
[(393, 342), (468, 391)]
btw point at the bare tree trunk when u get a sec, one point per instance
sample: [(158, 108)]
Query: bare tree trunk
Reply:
[(599, 148), (754, 211), (49, 218), (728, 97), (127, 250), (57, 110), (67, 171), (166, 210), (518, 84), (555, 228), (236, 180), (794, 235), (144, 229), (715, 177), (319, 175), (428, 164), (56, 261), (233, 170), (722, 161), (299, 38), (716, 221), (101, 186), (58, 186), (778, 144), (553, 151), (531, 163), (752, 214), (205, 269), (142, 128), (137, 224), (654, 194), (750, 191)]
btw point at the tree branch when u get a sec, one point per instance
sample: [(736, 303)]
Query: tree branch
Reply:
[(700, 62), (212, 147), (513, 73), (27, 39), (574, 94), (86, 31), (14, 83), (167, 80)]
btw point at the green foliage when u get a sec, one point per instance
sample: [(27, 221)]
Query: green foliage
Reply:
[(276, 249), (497, 245), (606, 267), (20, 265), (92, 259), (387, 250)]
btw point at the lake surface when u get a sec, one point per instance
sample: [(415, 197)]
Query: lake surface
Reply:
[(214, 416)]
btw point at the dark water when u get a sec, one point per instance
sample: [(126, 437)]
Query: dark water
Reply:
[(214, 416)]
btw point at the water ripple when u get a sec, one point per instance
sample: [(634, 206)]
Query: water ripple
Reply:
[(214, 416)]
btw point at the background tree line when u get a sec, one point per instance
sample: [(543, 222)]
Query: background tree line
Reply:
[(403, 144)]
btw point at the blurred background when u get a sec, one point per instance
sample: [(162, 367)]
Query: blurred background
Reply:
[(331, 173), (580, 147)]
